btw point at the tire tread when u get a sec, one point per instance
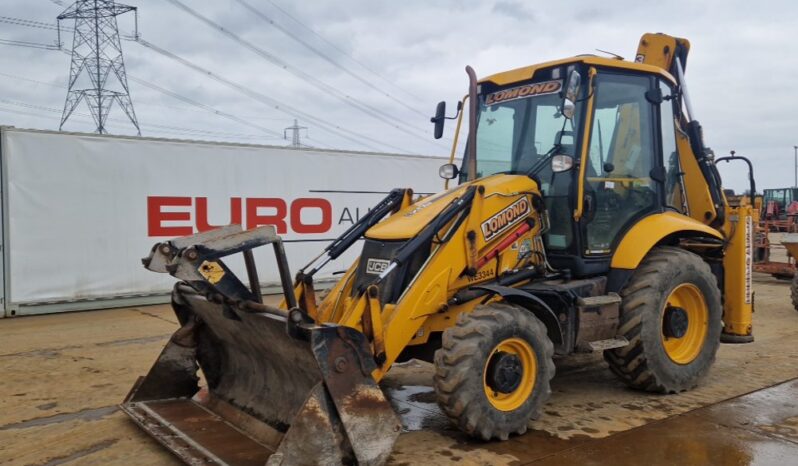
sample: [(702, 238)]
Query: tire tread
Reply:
[(455, 366), (632, 363)]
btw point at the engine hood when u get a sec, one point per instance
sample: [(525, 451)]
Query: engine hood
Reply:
[(409, 221)]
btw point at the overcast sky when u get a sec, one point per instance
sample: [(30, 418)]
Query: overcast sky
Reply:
[(382, 66)]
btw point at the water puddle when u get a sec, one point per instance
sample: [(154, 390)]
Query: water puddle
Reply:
[(417, 408)]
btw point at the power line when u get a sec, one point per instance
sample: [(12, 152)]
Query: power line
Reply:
[(374, 112), (169, 93), (51, 26), (32, 45), (89, 120), (328, 89), (42, 25), (342, 52), (32, 80), (332, 128), (324, 56), (208, 108), (150, 126), (313, 32), (31, 23), (329, 127)]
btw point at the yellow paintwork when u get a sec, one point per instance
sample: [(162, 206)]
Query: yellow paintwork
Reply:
[(337, 296), (409, 222), (426, 298), (529, 364), (580, 189), (684, 350), (699, 200), (372, 322), (657, 49), (651, 230), (738, 304)]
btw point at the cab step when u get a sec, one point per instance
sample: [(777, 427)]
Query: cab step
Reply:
[(602, 345), (599, 301)]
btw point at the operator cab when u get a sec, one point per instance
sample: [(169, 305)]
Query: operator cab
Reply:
[(602, 133)]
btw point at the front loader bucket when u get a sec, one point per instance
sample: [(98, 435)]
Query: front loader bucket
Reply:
[(279, 391)]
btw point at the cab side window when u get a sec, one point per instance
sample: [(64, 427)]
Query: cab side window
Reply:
[(618, 184), (496, 146), (674, 189)]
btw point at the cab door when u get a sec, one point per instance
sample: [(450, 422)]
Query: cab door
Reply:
[(619, 187)]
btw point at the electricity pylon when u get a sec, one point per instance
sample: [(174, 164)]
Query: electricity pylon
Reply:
[(295, 141), (96, 57)]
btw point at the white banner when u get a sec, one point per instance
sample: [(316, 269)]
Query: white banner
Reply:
[(82, 210)]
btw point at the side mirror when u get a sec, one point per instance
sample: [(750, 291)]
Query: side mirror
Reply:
[(448, 171), (571, 94), (439, 118), (561, 163)]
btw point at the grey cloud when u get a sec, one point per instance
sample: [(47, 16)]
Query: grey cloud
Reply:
[(740, 69), (515, 9)]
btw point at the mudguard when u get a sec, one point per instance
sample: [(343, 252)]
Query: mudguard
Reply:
[(527, 300)]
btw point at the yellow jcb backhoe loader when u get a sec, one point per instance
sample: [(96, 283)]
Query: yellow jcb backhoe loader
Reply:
[(589, 216)]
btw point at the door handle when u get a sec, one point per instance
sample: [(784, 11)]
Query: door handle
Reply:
[(589, 203)]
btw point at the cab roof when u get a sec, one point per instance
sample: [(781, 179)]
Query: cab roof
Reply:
[(528, 72)]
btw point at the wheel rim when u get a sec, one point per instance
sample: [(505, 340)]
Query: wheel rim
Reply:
[(683, 340), (514, 349)]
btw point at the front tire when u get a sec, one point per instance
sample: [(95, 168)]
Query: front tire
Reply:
[(493, 370), (671, 314), (794, 291)]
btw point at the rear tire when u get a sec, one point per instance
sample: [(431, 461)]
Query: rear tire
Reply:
[(794, 291), (471, 371), (673, 292)]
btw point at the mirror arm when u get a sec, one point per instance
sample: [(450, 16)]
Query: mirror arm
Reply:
[(454, 117), (457, 114), (456, 134)]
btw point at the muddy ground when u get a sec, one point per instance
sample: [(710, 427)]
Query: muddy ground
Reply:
[(62, 375)]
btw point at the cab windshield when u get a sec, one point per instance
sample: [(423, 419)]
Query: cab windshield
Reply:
[(518, 125)]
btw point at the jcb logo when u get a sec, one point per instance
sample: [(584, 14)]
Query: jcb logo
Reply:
[(377, 266)]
